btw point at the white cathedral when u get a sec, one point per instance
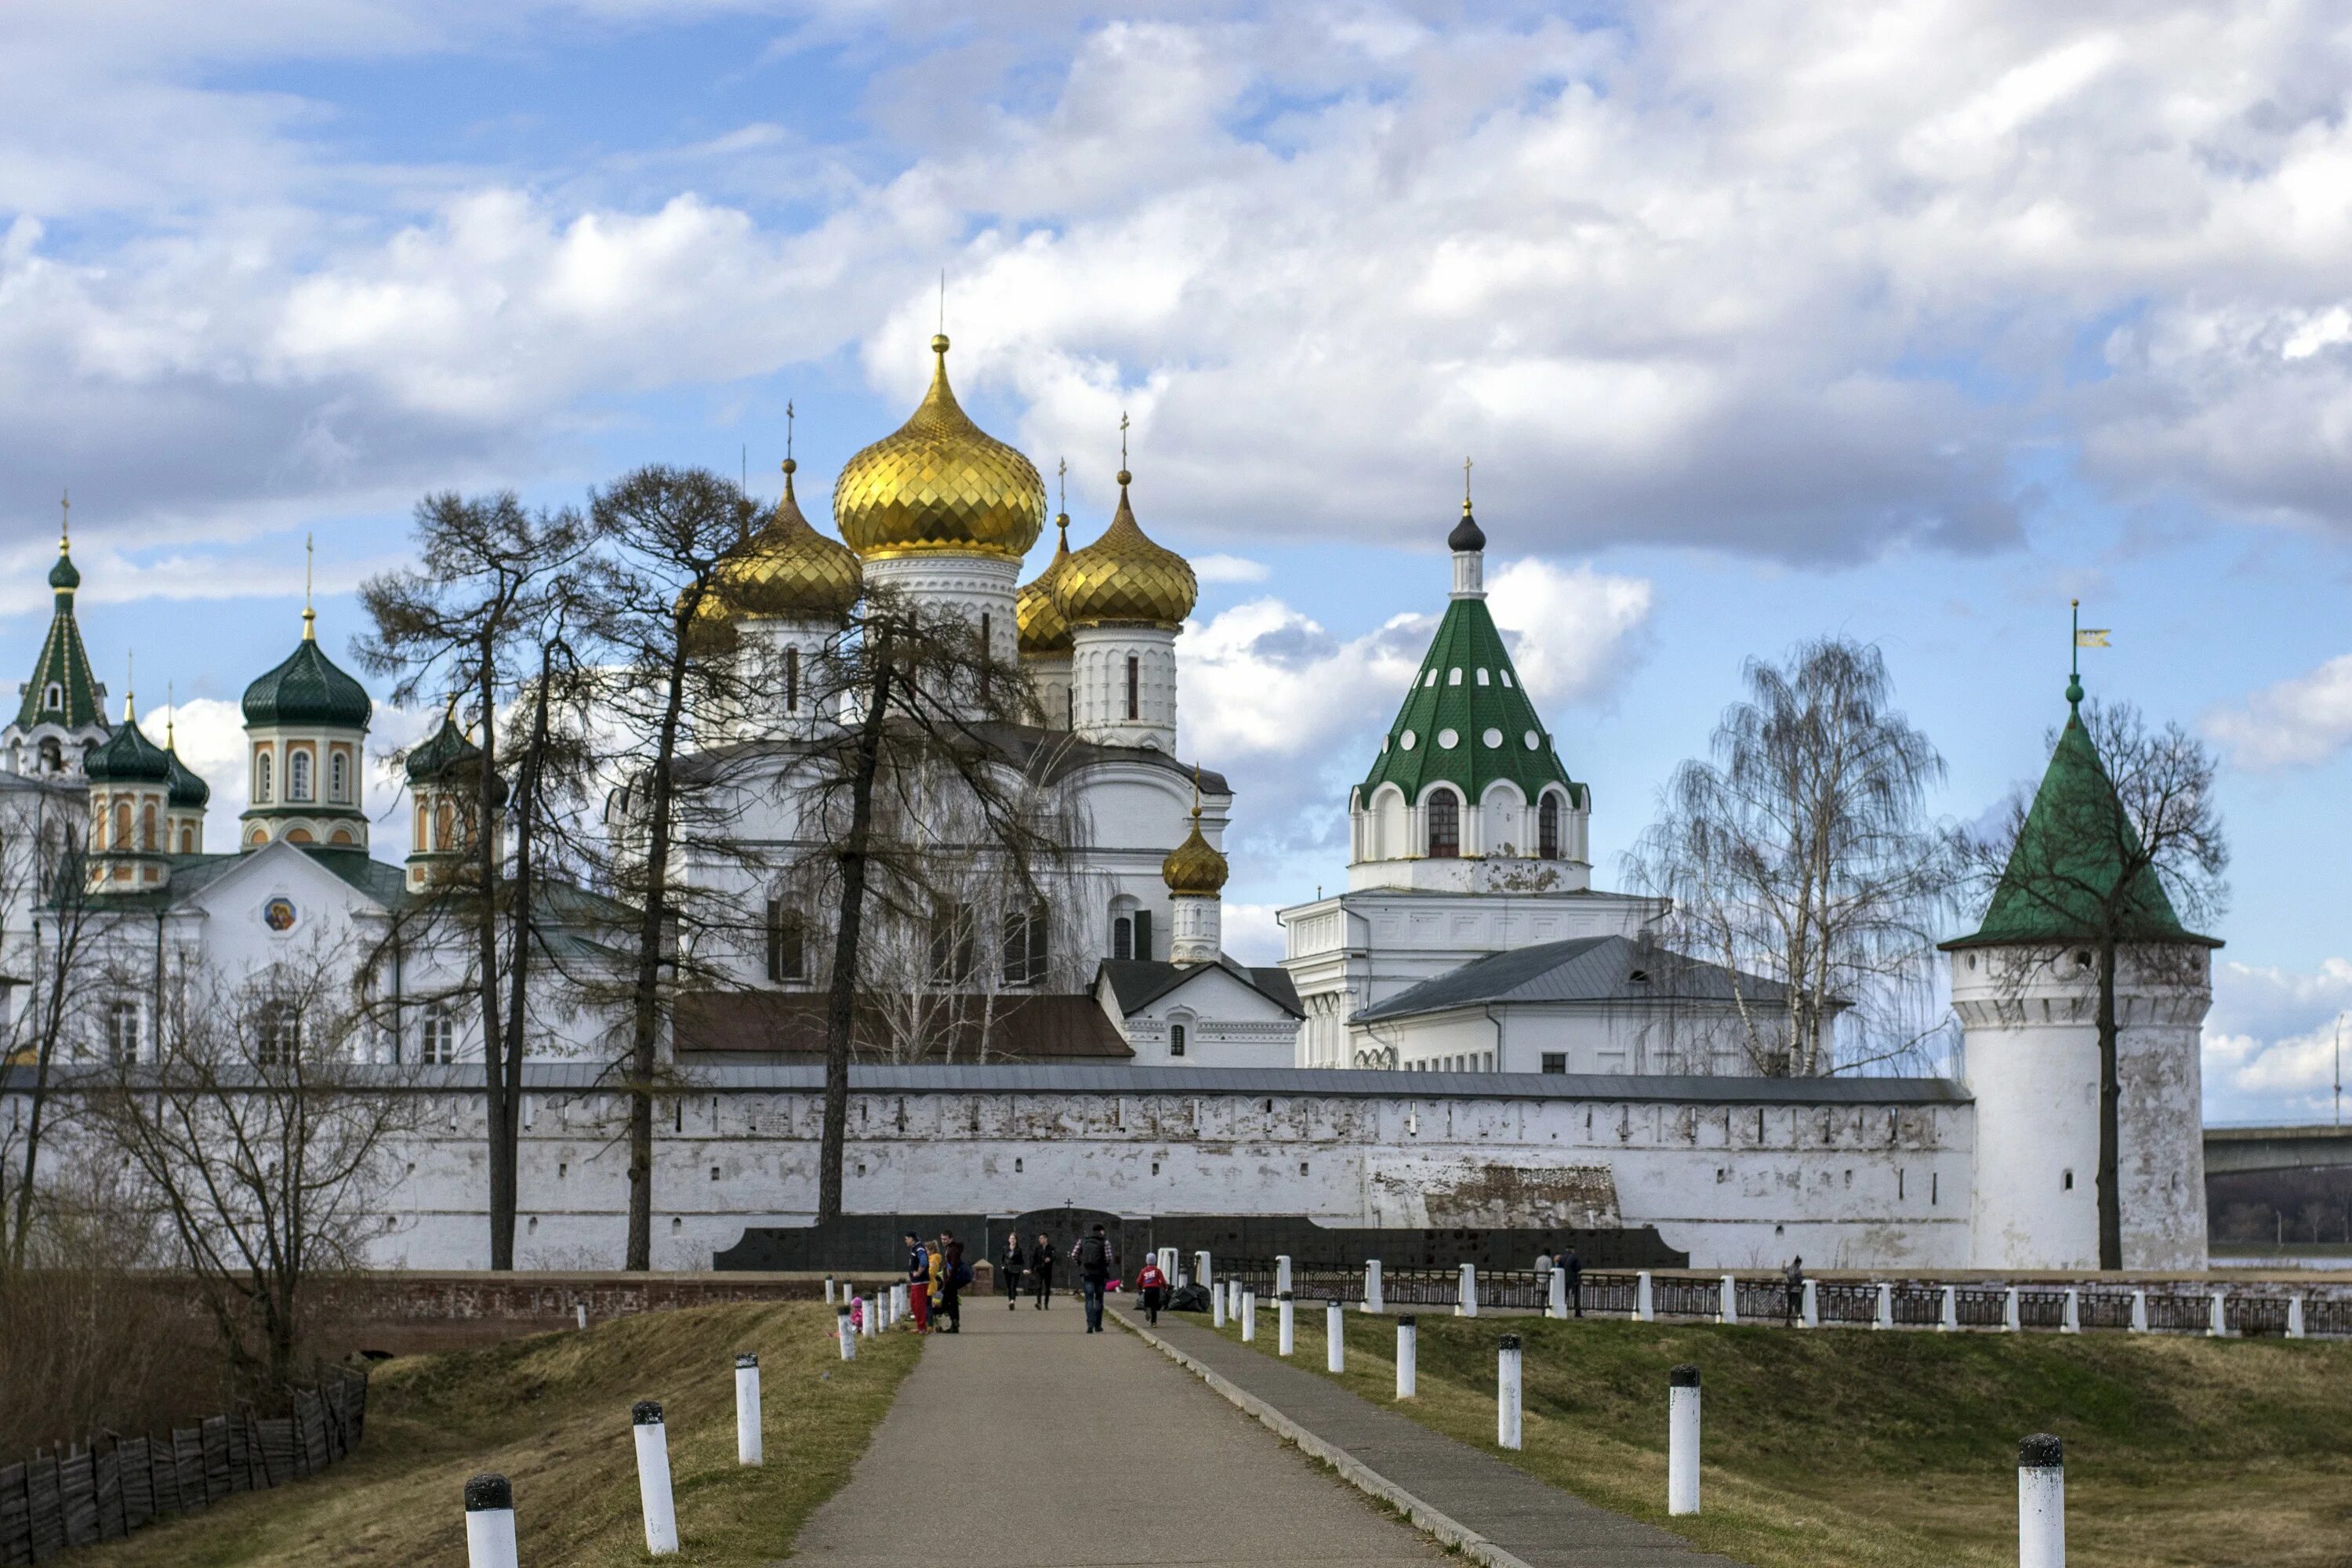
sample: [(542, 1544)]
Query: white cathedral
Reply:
[(1469, 949)]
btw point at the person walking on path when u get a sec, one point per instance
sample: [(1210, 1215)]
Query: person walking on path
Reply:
[(919, 1283), (954, 1274), (1041, 1273), (1575, 1269), (1011, 1267), (1793, 1276), (1152, 1286), (1093, 1257)]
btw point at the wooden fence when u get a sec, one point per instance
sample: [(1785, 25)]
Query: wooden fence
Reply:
[(84, 1494)]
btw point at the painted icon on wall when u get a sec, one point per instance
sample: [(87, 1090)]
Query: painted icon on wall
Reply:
[(279, 914)]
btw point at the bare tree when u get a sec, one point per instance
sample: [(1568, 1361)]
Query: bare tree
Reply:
[(261, 1143), (483, 621), (43, 865), (2120, 846), (1802, 856)]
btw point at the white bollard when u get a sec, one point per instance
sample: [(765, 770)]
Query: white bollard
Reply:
[(1681, 1440), (1249, 1316), (489, 1523), (653, 1477), (828, 1290), (845, 1333), (1201, 1271), (2295, 1317), (1375, 1299), (2041, 1502), (2074, 1319), (1284, 1340), (1408, 1355), (1727, 1300), (1883, 1317), (1465, 1293), (1168, 1263), (2140, 1312), (2010, 1321), (1556, 1306), (869, 1309), (1281, 1273), (1810, 1313), (749, 1447), (1949, 1318), (1217, 1308), (1644, 1307), (1506, 1391), (1334, 1337), (580, 1313), (2219, 1324), (1233, 1299)]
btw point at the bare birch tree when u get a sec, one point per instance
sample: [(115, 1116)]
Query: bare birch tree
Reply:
[(1802, 855), (42, 865)]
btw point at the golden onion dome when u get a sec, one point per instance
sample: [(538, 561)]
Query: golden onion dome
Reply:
[(1124, 577), (939, 485), (788, 568), (1192, 867), (1043, 631)]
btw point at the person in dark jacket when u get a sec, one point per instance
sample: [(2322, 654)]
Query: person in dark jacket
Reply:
[(1010, 1266), (951, 1278), (1094, 1260), (1573, 1266), (1041, 1272)]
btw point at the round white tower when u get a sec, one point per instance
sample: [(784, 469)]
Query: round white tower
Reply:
[(786, 593), (1126, 598), (1195, 874), (2026, 986)]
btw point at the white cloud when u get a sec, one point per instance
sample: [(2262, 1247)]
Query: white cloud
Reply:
[(2269, 1041), (209, 734), (2294, 723), (1215, 568)]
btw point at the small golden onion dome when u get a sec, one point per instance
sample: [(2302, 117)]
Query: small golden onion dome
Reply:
[(1192, 867), (1043, 631), (790, 570), (1123, 577), (939, 485)]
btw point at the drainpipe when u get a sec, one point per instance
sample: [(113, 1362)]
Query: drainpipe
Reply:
[(159, 986), (1489, 1011)]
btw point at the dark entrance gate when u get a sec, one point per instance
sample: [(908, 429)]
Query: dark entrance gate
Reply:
[(1064, 1227)]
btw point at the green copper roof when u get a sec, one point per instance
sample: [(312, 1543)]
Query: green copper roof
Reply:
[(128, 757), (448, 749), (189, 790), (63, 665), (308, 689), (1467, 693), (2068, 868)]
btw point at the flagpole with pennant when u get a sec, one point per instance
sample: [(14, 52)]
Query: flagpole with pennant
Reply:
[(2085, 637)]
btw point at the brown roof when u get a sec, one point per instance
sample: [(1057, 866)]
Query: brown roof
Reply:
[(1025, 1028)]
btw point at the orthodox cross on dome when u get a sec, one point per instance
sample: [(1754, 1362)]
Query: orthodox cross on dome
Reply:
[(788, 436), (130, 684), (1465, 487), (64, 525), (310, 616)]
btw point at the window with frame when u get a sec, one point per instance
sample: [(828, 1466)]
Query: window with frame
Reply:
[(787, 943), (297, 774), (1555, 1061), (121, 1032), (987, 652), (147, 840), (1143, 934), (1134, 686), (54, 697), (1122, 936), (1444, 825), (437, 1039), (1176, 1039), (276, 1035), (263, 767), (338, 778), (951, 945), (1547, 827), (121, 839), (1026, 951), (791, 680)]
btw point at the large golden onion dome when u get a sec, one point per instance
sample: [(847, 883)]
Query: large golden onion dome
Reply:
[(790, 570), (1124, 578), (1043, 630), (939, 485), (1192, 867)]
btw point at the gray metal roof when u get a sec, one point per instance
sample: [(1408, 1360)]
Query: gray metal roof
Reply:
[(1139, 982), (558, 1078), (1591, 970)]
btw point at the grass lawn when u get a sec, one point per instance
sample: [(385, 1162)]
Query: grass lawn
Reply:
[(1842, 1447), (552, 1414)]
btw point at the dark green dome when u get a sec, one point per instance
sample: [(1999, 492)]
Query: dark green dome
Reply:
[(189, 790), (65, 576), (450, 757), (307, 690), (128, 757)]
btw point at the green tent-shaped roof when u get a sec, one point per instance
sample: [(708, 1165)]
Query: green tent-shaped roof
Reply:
[(128, 757), (2069, 864), (61, 691), (308, 689), (1467, 721)]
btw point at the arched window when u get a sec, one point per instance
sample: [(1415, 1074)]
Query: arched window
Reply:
[(187, 838), (787, 942), (1444, 825), (1178, 1035), (1547, 827), (338, 781), (121, 837), (791, 680), (445, 826), (53, 697), (147, 826), (278, 1034), (297, 774), (261, 779), (122, 1032), (1026, 953), (53, 756), (438, 1041), (1122, 936), (1134, 686)]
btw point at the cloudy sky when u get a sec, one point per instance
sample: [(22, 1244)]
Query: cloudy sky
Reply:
[(1761, 320)]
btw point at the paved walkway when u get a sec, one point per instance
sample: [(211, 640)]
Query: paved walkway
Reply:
[(1496, 1512), (1024, 1442)]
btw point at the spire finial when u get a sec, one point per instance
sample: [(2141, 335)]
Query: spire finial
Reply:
[(2075, 657), (1062, 516), (1196, 795), (130, 684), (1123, 475), (1465, 487), (171, 715), (310, 616), (65, 522), (943, 301)]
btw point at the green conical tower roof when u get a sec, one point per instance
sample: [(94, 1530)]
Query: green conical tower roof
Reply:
[(1467, 721), (2071, 857), (61, 691)]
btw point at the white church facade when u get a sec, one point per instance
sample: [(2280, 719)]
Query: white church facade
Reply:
[(1470, 1034)]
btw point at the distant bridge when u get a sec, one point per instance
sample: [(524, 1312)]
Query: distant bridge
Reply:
[(2229, 1150)]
